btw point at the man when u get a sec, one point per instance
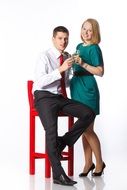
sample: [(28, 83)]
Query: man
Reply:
[(49, 101)]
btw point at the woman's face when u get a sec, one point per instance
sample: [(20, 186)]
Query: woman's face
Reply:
[(87, 32)]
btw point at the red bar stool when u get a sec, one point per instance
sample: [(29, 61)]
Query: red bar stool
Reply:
[(67, 155)]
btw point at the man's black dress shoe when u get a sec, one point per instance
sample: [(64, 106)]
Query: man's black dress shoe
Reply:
[(64, 180)]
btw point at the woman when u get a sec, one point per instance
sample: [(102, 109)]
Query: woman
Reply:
[(89, 62)]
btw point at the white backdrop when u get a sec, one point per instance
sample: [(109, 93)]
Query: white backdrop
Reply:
[(26, 30)]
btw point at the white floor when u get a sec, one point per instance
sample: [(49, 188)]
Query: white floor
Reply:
[(15, 175), (114, 178)]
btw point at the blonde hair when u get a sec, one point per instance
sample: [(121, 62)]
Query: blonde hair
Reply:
[(96, 37)]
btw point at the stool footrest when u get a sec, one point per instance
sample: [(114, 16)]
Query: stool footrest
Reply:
[(40, 155)]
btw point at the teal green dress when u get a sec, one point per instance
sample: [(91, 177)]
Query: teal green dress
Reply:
[(84, 88)]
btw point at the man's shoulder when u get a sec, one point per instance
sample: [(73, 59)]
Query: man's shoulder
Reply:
[(45, 53), (66, 54), (43, 56)]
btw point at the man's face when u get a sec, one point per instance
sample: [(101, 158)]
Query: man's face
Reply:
[(60, 41)]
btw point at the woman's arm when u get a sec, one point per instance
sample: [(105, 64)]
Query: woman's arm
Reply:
[(95, 70)]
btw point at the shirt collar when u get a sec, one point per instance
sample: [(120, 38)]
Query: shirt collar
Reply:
[(56, 52)]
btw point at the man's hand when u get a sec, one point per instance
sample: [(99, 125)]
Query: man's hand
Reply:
[(66, 64)]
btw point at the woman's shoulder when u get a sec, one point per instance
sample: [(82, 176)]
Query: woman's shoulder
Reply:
[(95, 46), (79, 45)]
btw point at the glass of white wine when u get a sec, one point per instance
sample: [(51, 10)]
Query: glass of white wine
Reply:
[(77, 53)]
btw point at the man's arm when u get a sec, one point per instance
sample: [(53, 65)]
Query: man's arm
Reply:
[(42, 76)]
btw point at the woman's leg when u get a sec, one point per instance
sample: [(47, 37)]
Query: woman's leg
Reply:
[(87, 154), (91, 144)]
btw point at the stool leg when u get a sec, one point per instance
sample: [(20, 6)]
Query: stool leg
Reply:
[(70, 150), (47, 164), (71, 162), (32, 144)]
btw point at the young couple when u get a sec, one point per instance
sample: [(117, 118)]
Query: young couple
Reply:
[(53, 65)]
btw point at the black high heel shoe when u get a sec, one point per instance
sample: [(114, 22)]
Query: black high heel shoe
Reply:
[(99, 173), (85, 174)]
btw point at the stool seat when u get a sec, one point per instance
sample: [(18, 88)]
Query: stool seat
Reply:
[(33, 155), (34, 112)]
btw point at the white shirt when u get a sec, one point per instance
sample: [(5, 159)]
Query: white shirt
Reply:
[(47, 75)]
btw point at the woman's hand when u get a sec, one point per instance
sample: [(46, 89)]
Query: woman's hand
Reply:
[(77, 59)]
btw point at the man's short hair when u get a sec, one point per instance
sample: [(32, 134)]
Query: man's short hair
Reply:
[(60, 29)]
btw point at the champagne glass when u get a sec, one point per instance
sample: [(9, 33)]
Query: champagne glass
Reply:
[(77, 53)]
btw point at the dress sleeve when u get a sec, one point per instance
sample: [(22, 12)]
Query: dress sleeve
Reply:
[(96, 56)]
